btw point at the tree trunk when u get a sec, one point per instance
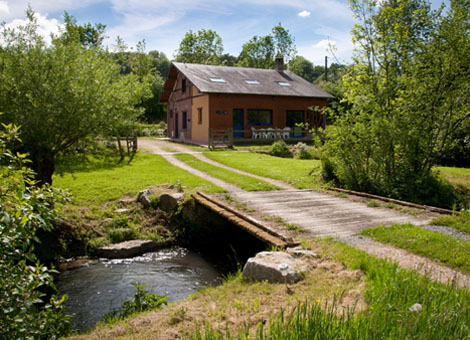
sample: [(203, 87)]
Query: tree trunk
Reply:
[(43, 164)]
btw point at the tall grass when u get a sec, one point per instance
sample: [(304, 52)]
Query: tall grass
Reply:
[(391, 292)]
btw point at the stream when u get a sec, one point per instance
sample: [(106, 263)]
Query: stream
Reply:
[(98, 288)]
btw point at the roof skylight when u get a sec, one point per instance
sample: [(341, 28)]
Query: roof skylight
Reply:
[(284, 83), (252, 82), (217, 80)]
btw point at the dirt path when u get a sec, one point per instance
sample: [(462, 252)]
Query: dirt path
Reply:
[(406, 259), (321, 214), (156, 147)]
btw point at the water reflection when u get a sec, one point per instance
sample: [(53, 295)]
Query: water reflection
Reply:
[(96, 289)]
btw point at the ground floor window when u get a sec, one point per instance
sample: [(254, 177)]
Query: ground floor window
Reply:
[(259, 117), (199, 115), (185, 120)]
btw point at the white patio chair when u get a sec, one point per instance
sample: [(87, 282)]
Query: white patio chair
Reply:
[(270, 133), (286, 132), (263, 133), (255, 134)]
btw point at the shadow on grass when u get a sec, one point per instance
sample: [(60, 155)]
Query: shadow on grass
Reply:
[(92, 161)]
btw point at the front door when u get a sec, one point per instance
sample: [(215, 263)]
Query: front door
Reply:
[(294, 117), (176, 126), (237, 123)]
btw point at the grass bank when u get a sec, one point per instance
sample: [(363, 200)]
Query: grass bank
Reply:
[(242, 181), (106, 181), (103, 208), (459, 221), (445, 249), (302, 174)]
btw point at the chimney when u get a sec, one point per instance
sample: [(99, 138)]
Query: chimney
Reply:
[(279, 64)]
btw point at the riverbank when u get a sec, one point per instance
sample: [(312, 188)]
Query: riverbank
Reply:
[(356, 296)]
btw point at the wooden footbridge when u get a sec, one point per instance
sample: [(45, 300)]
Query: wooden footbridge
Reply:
[(316, 214), (249, 224)]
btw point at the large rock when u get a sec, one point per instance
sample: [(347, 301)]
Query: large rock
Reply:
[(274, 267), (169, 202), (127, 249), (144, 197)]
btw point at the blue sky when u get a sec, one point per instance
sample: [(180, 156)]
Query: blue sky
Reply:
[(163, 23)]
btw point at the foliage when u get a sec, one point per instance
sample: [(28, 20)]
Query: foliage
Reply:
[(26, 312), (407, 92), (61, 95), (151, 130), (302, 151), (88, 35), (280, 149), (260, 52), (141, 302), (304, 68), (150, 69), (201, 47)]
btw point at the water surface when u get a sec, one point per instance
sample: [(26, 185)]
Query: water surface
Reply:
[(96, 289)]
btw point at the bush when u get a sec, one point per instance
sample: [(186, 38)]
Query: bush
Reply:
[(26, 312), (141, 302), (302, 151), (151, 130), (280, 149)]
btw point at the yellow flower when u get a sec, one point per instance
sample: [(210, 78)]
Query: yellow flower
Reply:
[(318, 301)]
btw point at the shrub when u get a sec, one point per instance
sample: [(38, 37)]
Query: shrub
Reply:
[(141, 302), (280, 149), (26, 312), (302, 151)]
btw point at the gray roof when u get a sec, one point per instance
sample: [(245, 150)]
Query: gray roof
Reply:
[(235, 81)]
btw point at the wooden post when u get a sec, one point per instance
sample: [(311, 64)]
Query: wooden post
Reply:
[(230, 136), (210, 139)]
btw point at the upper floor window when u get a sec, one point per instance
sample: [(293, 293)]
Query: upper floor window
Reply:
[(183, 85)]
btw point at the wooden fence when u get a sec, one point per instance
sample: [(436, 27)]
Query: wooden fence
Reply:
[(226, 138)]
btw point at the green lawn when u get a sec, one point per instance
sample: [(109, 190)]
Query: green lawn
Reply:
[(110, 182), (455, 175), (293, 171), (242, 181), (445, 249), (460, 221)]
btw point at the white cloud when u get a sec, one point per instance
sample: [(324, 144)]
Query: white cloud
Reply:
[(4, 7), (325, 44), (17, 7), (304, 14), (46, 26)]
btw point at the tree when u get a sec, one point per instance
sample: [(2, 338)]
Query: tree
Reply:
[(61, 95), (202, 47), (260, 52), (304, 68), (408, 91), (88, 35), (25, 311), (161, 63), (284, 43)]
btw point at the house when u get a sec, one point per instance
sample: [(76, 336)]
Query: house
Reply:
[(201, 98)]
